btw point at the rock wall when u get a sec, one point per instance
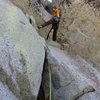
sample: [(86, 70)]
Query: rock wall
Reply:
[(72, 77), (21, 55), (80, 29)]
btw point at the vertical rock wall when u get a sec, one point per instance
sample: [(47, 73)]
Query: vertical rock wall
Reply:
[(21, 55)]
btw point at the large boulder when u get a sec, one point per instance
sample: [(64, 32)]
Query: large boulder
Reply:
[(72, 77), (21, 55)]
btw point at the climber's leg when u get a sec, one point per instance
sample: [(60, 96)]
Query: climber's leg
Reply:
[(55, 29)]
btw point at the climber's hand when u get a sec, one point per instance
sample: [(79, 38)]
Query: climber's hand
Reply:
[(39, 27)]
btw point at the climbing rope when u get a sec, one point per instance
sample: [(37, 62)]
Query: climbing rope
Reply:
[(50, 98)]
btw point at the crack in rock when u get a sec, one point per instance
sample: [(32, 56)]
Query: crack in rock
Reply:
[(86, 90)]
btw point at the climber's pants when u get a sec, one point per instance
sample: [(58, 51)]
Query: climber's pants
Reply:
[(55, 29)]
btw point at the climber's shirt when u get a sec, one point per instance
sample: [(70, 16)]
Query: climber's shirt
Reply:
[(56, 11)]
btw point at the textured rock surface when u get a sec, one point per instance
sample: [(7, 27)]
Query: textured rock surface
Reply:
[(80, 25), (21, 55), (27, 6), (91, 96), (72, 77)]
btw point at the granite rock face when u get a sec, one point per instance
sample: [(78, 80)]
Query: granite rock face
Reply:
[(80, 28), (72, 77), (21, 55)]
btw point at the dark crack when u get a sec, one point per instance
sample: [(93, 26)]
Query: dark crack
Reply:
[(5, 79)]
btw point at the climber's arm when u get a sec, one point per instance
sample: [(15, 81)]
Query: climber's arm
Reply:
[(46, 23)]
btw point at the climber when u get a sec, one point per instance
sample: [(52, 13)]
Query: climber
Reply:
[(56, 12)]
